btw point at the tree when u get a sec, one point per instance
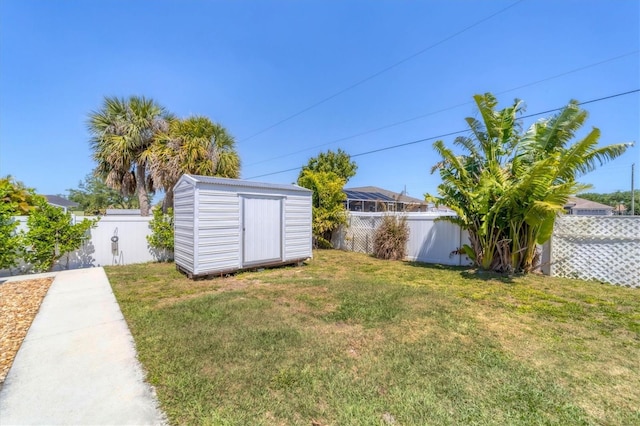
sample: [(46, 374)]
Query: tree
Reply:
[(51, 235), (327, 204), (194, 145), (336, 162), (122, 132), (508, 185), (94, 196), (16, 198)]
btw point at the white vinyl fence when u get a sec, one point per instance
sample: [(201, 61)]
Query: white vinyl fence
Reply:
[(430, 240), (603, 248), (131, 245)]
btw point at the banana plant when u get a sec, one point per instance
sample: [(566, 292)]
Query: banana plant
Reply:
[(507, 185)]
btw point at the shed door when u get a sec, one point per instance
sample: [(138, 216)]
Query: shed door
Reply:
[(262, 229)]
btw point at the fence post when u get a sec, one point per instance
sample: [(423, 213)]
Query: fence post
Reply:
[(546, 259)]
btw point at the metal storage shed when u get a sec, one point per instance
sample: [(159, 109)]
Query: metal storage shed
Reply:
[(224, 225)]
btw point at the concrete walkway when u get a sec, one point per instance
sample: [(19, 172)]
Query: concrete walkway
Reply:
[(77, 364)]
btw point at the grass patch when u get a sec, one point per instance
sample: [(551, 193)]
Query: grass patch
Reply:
[(349, 339)]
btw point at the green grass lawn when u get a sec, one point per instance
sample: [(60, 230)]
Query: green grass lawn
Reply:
[(348, 339)]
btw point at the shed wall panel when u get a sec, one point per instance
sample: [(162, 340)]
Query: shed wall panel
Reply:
[(183, 209), (218, 230), (297, 220)]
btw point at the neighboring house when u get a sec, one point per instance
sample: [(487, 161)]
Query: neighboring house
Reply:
[(374, 199), (58, 201), (582, 207)]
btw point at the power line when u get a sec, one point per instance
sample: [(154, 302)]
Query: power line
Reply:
[(604, 98), (398, 123), (382, 71), (454, 133)]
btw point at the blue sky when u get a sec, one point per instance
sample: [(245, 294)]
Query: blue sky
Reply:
[(249, 65)]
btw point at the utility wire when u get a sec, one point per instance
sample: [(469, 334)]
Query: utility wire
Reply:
[(382, 71), (604, 98), (417, 117), (454, 133)]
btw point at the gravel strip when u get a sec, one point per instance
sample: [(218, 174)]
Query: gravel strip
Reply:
[(19, 304)]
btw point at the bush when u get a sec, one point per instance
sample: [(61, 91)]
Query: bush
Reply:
[(51, 235), (390, 239), (9, 241), (15, 200), (161, 238)]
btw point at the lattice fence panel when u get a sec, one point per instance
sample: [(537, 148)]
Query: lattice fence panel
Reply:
[(357, 235), (603, 248)]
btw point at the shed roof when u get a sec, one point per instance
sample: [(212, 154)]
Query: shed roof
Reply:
[(241, 183)]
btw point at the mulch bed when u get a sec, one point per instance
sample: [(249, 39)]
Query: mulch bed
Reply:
[(19, 304)]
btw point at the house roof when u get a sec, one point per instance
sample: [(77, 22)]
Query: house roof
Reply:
[(240, 183), (390, 194), (59, 201), (576, 203)]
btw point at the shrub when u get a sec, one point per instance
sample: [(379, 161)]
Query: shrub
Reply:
[(51, 235), (15, 200), (390, 239), (9, 241), (161, 238)]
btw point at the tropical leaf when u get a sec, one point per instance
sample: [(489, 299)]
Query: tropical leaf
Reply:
[(510, 185), (469, 252)]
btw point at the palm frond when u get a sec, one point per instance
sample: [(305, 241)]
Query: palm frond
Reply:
[(561, 128)]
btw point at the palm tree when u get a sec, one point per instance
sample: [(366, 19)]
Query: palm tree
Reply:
[(194, 145), (508, 186), (122, 131)]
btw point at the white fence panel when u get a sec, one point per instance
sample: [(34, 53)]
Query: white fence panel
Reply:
[(433, 241), (131, 247), (430, 240), (603, 248), (99, 250)]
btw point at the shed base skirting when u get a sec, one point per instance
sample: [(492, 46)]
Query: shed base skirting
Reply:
[(222, 272)]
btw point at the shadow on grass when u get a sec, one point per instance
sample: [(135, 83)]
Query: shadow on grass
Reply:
[(475, 274), (466, 272)]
